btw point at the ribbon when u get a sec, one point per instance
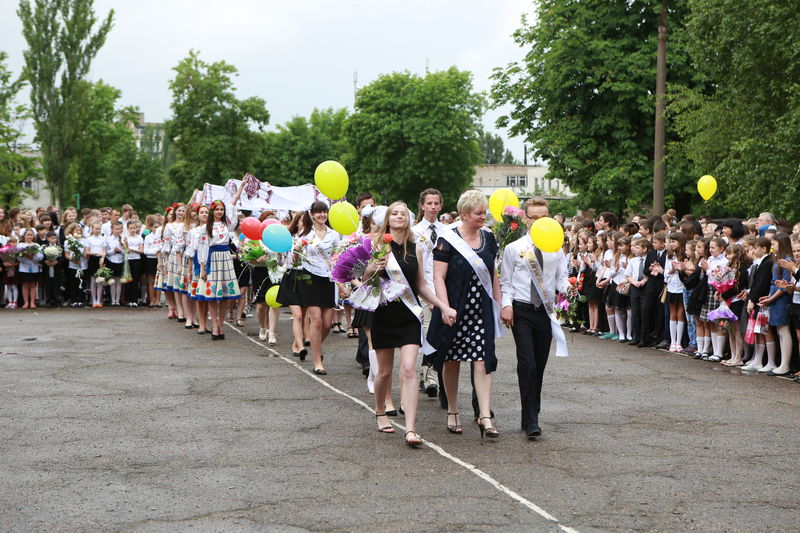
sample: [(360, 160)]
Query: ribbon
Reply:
[(395, 273), (547, 299)]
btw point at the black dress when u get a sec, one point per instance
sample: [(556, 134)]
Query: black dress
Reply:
[(394, 325)]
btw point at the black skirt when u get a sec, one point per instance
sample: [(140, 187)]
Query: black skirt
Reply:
[(28, 277), (675, 297), (94, 264), (116, 268), (288, 293), (319, 293), (362, 319), (149, 266), (395, 326), (261, 284)]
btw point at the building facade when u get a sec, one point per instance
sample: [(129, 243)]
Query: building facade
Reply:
[(524, 180)]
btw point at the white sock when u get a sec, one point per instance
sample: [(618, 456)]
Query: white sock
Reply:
[(758, 355), (722, 338), (612, 326), (786, 348), (714, 343), (373, 368), (706, 344), (770, 354), (679, 324), (673, 331), (620, 317), (629, 325)]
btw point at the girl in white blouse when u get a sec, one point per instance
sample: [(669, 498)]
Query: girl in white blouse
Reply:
[(216, 266), (185, 277), (172, 248), (96, 252), (30, 265)]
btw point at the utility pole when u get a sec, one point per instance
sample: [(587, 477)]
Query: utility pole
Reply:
[(355, 86), (660, 140)]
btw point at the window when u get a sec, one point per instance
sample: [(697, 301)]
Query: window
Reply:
[(27, 184), (517, 181), (511, 181)]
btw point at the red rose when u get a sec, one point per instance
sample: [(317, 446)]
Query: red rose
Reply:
[(304, 242), (573, 280), (387, 237), (514, 226)]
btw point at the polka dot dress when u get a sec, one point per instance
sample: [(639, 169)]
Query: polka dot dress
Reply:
[(469, 343)]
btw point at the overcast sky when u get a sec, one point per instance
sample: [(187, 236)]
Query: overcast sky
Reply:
[(296, 54)]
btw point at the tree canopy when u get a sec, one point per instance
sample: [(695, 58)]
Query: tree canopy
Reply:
[(494, 150), (14, 167), (410, 132)]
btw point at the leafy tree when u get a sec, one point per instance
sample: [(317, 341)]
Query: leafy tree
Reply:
[(410, 132), (583, 96), (211, 128), (14, 167), (61, 46), (743, 124), (494, 151), (293, 152)]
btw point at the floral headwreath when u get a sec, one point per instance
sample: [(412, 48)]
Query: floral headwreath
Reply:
[(194, 206)]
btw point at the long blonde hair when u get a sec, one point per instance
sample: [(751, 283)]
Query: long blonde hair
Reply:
[(406, 233)]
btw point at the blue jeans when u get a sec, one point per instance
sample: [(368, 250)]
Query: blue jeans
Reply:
[(691, 327)]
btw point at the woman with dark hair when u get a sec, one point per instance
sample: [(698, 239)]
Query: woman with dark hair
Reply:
[(733, 230), (319, 295), (288, 290)]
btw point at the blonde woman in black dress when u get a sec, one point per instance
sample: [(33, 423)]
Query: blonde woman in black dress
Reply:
[(398, 325)]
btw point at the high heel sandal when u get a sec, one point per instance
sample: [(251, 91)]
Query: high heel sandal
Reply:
[(384, 429), (413, 442), (490, 431), (272, 340), (454, 428)]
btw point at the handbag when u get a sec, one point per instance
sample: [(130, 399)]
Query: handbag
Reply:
[(762, 321), (663, 296), (750, 334)]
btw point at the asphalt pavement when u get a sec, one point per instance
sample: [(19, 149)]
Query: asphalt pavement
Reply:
[(121, 420)]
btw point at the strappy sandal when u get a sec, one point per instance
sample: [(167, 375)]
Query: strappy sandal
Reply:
[(491, 432), (384, 429), (352, 333), (336, 327), (413, 442), (454, 428)]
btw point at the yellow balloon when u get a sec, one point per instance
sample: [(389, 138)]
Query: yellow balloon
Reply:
[(499, 200), (343, 217), (331, 179), (547, 234), (272, 297), (707, 187)]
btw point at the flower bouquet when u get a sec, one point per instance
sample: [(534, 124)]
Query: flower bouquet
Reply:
[(722, 315), (509, 229), (104, 276), (567, 306), (75, 248), (250, 252), (351, 264), (8, 253), (52, 253), (29, 250), (723, 279)]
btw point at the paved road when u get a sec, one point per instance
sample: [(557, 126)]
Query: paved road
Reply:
[(121, 420)]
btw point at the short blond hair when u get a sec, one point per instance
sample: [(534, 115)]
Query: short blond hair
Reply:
[(535, 201), (471, 200)]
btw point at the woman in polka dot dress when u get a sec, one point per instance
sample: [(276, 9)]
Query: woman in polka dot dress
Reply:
[(470, 337)]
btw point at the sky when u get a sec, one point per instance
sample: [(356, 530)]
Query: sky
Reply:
[(295, 54)]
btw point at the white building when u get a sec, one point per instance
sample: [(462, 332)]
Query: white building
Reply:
[(524, 180)]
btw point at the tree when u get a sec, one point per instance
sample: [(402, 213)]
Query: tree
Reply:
[(583, 96), (410, 132), (14, 167), (743, 124), (294, 151), (494, 151), (212, 129), (61, 47)]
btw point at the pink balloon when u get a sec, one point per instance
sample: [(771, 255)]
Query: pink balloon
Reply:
[(251, 228), (268, 222)]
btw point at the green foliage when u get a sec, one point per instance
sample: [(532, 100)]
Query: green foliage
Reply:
[(583, 96), (494, 151), (210, 127), (293, 152), (743, 125), (411, 132), (61, 47), (14, 167)]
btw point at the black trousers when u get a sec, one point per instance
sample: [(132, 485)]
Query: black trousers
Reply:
[(52, 284), (637, 296), (362, 352), (533, 336), (132, 287), (76, 294), (651, 311)]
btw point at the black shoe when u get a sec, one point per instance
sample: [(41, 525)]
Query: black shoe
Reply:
[(634, 342), (202, 332), (432, 390), (181, 320), (533, 431), (306, 343), (320, 372), (642, 345), (391, 412), (663, 345), (421, 385), (221, 336), (365, 371), (214, 337)]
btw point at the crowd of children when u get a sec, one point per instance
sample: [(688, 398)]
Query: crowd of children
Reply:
[(726, 292)]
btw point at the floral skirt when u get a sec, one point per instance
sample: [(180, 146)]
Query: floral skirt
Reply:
[(185, 278), (172, 277), (220, 281)]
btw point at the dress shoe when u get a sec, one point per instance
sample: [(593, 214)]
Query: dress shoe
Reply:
[(533, 431), (432, 390), (663, 345), (642, 345), (634, 342)]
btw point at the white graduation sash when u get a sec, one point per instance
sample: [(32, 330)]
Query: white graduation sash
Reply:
[(547, 299), (483, 274), (395, 273)]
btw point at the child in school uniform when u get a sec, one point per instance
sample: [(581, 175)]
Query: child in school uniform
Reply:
[(604, 277), (134, 244), (77, 266), (10, 277), (115, 256), (636, 276), (52, 272), (96, 253), (30, 268), (621, 301), (152, 247), (675, 288)]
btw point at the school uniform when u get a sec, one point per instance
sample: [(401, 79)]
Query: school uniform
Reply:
[(95, 244), (321, 292), (52, 279), (635, 271), (652, 311), (135, 266), (76, 274), (115, 255), (152, 245)]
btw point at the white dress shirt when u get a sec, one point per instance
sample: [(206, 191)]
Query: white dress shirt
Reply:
[(515, 274), (422, 232), (317, 260), (634, 267), (672, 277), (112, 245)]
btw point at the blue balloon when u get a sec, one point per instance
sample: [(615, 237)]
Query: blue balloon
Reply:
[(277, 238)]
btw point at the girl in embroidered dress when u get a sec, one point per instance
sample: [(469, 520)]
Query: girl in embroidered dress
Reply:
[(319, 296), (218, 278), (398, 325), (187, 262), (196, 284), (162, 271), (174, 243)]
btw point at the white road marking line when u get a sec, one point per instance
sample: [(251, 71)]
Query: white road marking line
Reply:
[(435, 447)]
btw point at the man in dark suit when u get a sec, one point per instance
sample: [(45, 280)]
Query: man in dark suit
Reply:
[(652, 310)]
